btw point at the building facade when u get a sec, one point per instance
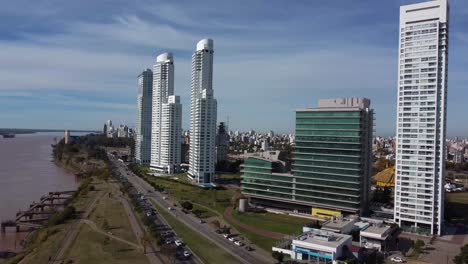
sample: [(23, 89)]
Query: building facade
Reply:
[(421, 119), (222, 143), (203, 115), (331, 165), (166, 118)]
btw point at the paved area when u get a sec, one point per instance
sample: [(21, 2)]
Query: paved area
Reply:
[(203, 229), (258, 231)]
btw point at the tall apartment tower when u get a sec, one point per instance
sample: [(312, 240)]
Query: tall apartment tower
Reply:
[(421, 120), (166, 118), (144, 112), (203, 115)]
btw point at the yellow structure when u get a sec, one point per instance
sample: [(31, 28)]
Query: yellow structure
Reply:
[(385, 178), (325, 213)]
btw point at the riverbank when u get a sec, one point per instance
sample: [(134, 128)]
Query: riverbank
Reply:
[(26, 176)]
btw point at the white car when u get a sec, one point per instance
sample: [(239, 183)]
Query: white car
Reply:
[(397, 259), (187, 254), (238, 243), (232, 239), (170, 208), (226, 235), (168, 241), (164, 198), (178, 243)]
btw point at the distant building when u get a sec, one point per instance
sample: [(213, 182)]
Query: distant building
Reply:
[(203, 115), (222, 143), (144, 112), (331, 165), (67, 137)]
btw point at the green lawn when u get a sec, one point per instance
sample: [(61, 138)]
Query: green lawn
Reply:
[(273, 222), (457, 207), (230, 176), (91, 247), (111, 211), (262, 242), (197, 242), (216, 199)]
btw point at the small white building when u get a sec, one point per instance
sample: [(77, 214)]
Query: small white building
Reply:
[(318, 246), (343, 225), (375, 236)]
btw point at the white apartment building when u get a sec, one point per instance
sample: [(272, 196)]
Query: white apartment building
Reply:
[(143, 124), (203, 115), (421, 120), (166, 117)]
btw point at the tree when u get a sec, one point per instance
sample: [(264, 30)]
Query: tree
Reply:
[(279, 256), (187, 205), (462, 258), (418, 246)]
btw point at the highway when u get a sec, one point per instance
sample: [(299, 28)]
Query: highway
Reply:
[(191, 221)]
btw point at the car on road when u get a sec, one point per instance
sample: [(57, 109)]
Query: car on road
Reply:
[(164, 198), (187, 254), (232, 239), (202, 221), (248, 248), (170, 208), (397, 260), (168, 241), (238, 243), (226, 235), (178, 243)]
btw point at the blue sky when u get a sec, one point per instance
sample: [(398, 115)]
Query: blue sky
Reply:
[(73, 64)]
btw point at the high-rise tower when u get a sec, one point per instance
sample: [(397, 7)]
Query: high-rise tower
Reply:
[(143, 124), (421, 120), (203, 112), (166, 117)]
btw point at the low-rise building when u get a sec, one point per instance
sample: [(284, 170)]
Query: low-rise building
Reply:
[(342, 225), (376, 236), (318, 246)]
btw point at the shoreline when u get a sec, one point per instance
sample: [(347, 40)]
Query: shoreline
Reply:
[(19, 239)]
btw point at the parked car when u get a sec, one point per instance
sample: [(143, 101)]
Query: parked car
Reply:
[(168, 241), (178, 243), (238, 243), (232, 239), (187, 254), (164, 198), (397, 259), (202, 221), (226, 235), (248, 248), (170, 208)]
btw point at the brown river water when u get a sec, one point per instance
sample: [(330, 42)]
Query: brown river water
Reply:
[(27, 173)]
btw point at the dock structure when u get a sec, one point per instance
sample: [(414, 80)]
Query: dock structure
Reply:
[(39, 213)]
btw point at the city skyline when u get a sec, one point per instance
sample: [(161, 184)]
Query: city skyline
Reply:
[(246, 59)]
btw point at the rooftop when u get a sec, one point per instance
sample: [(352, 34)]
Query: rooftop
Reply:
[(377, 231), (338, 224), (322, 238)]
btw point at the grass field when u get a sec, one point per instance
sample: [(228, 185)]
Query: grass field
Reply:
[(196, 242), (273, 222), (91, 247), (230, 176), (457, 207), (216, 199), (109, 215)]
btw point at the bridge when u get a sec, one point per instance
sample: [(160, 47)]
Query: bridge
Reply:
[(39, 213)]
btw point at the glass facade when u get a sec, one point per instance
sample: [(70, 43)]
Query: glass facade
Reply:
[(331, 163)]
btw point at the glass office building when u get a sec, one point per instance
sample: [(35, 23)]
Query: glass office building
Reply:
[(331, 166)]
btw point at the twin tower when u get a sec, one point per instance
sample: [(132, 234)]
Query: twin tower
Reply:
[(159, 120)]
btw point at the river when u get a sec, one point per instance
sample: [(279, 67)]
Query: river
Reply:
[(27, 173)]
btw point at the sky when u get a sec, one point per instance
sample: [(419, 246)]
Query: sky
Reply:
[(74, 64)]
